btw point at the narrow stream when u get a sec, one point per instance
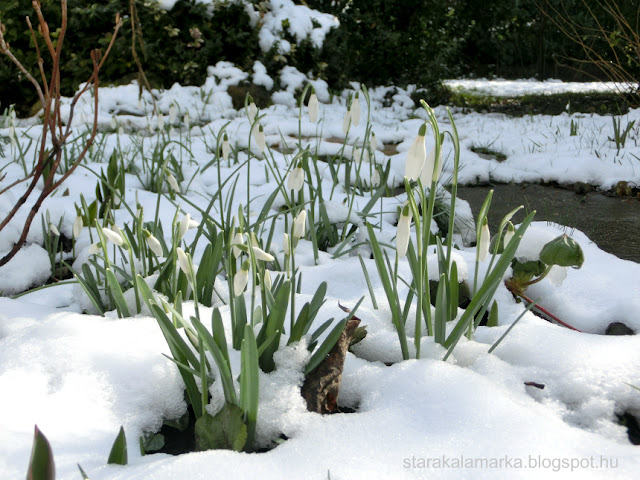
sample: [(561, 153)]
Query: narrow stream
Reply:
[(613, 223)]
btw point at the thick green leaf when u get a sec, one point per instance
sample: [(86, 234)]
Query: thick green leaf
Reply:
[(225, 430), (274, 323), (116, 292), (118, 455), (442, 311), (249, 382), (41, 464), (326, 346)]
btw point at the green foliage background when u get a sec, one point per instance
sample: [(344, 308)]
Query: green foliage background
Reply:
[(379, 42)]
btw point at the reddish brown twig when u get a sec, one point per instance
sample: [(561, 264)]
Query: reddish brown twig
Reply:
[(547, 312), (49, 159)]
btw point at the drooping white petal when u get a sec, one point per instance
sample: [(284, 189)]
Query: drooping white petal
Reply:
[(485, 239), (373, 142), (173, 113), (252, 111), (241, 278), (426, 176), (416, 156), (258, 135), (238, 239), (226, 148), (173, 183), (94, 249), (77, 226), (262, 255), (508, 235), (53, 229), (313, 108), (183, 261), (346, 121), (113, 237), (267, 280), (355, 111), (154, 245), (300, 224), (403, 231), (296, 179), (285, 245)]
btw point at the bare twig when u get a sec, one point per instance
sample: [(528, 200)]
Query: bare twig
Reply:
[(49, 159)]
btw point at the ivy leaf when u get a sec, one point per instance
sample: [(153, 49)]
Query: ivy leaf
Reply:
[(225, 430)]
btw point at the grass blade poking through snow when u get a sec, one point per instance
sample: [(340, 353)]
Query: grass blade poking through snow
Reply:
[(41, 464)]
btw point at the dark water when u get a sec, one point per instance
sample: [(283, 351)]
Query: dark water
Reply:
[(613, 223)]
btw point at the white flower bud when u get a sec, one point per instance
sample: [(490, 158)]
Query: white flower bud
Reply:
[(346, 121), (183, 261), (187, 121), (94, 249), (300, 224), (262, 255), (77, 226), (114, 123), (375, 178), (373, 142), (485, 239), (252, 112), (313, 108), (226, 149), (285, 245), (258, 135), (113, 237), (416, 156), (355, 110), (508, 235), (173, 113), (186, 224), (426, 176), (173, 183), (238, 239), (154, 244), (403, 231), (296, 179), (241, 278), (160, 121), (267, 280), (53, 229)]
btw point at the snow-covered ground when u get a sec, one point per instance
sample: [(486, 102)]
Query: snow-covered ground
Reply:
[(513, 88), (79, 377)]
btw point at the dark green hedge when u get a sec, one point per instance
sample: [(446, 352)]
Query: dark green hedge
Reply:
[(379, 42)]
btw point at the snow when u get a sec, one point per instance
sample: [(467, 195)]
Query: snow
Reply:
[(510, 88), (79, 376)]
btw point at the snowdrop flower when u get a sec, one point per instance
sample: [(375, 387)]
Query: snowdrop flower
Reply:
[(187, 121), (160, 121), (267, 280), (285, 245), (77, 226), (428, 175), (53, 229), (511, 230), (258, 134), (94, 249), (241, 278), (238, 239), (373, 142), (375, 178), (403, 232), (226, 149), (556, 275), (183, 260), (113, 237), (262, 255), (173, 113), (485, 238), (346, 121), (154, 244), (312, 107), (299, 224), (114, 123), (355, 110), (12, 135), (252, 111), (186, 224), (416, 156), (296, 178), (120, 131), (173, 183)]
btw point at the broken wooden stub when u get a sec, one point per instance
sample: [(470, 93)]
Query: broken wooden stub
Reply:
[(322, 384)]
